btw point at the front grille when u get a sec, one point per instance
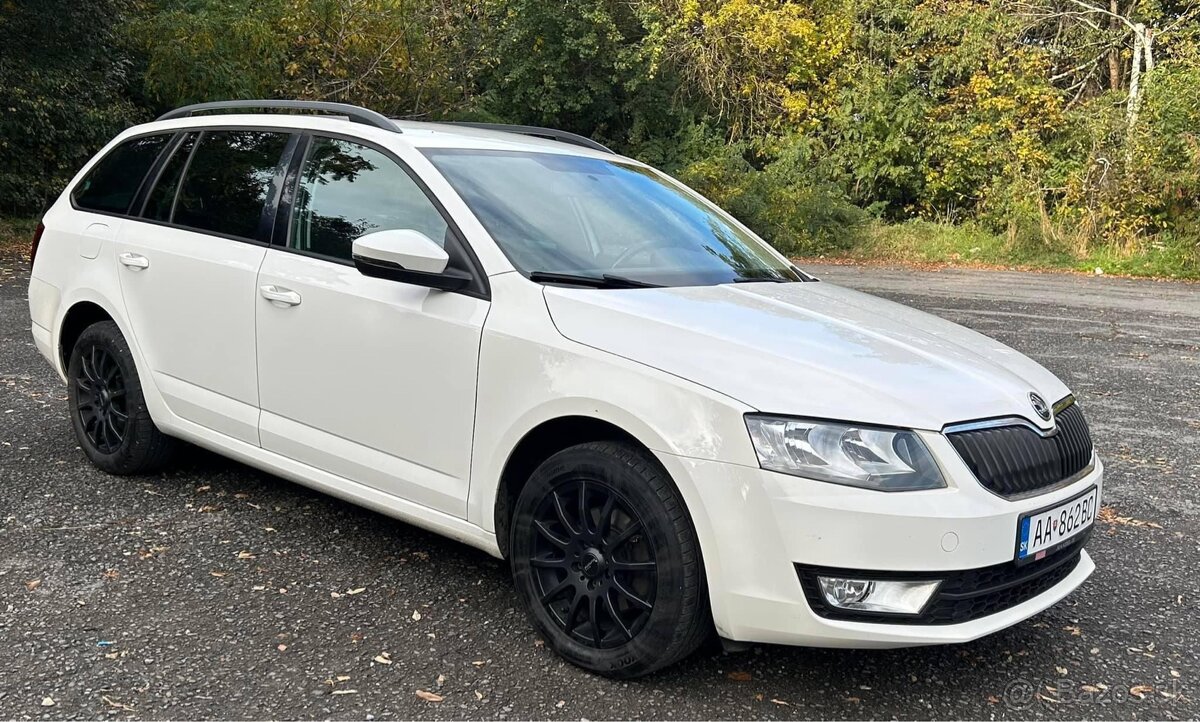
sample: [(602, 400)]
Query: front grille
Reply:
[(963, 595), (1015, 460)]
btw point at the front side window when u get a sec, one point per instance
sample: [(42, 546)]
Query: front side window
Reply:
[(229, 180), (348, 190), (565, 214), (112, 183)]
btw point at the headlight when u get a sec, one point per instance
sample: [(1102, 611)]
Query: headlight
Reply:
[(851, 454)]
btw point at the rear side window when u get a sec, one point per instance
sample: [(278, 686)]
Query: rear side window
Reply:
[(229, 181), (112, 183), (348, 190), (162, 199)]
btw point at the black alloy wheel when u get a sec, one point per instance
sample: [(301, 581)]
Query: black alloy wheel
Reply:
[(108, 410), (101, 391), (606, 561), (595, 571)]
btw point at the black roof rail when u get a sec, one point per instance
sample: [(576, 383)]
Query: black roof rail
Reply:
[(533, 130), (352, 112)]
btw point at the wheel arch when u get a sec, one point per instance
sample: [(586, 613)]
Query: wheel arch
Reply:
[(540, 443), (79, 316)]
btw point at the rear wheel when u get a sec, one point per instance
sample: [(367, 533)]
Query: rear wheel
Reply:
[(606, 561), (108, 410)]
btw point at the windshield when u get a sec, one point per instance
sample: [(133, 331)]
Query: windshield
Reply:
[(589, 217)]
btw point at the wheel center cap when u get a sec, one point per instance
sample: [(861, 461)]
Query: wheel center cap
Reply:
[(592, 565)]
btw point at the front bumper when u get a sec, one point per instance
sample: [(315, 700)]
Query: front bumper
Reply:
[(759, 530)]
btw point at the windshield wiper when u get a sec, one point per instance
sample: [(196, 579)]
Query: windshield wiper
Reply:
[(607, 280), (761, 279)]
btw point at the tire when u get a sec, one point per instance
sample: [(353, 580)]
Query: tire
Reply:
[(620, 590), (108, 410)]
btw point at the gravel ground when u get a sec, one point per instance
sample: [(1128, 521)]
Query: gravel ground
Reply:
[(217, 591)]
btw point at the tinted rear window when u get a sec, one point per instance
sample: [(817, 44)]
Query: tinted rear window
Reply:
[(112, 183), (162, 199), (229, 181)]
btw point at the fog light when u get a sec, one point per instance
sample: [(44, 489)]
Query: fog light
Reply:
[(875, 595)]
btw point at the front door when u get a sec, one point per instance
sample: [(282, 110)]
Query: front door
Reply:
[(369, 379)]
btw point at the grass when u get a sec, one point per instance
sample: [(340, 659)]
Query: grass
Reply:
[(929, 243), (15, 236)]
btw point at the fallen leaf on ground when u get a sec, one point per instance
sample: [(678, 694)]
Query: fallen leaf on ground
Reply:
[(383, 658), (282, 648), (1109, 515), (479, 663), (47, 701), (478, 695), (1140, 690), (352, 592), (740, 676), (780, 702), (32, 584), (118, 705), (245, 555), (429, 696), (217, 574)]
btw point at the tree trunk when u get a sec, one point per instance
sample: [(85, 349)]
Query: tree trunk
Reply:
[(1135, 77), (1114, 55)]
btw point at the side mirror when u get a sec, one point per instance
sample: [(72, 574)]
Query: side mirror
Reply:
[(407, 256)]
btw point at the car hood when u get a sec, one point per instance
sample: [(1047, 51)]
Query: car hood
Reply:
[(810, 349)]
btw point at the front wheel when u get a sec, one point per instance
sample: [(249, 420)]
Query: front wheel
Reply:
[(108, 411), (606, 561)]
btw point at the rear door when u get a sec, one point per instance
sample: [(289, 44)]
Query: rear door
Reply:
[(366, 378), (188, 267)]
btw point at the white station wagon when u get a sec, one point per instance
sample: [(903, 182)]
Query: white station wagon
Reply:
[(516, 338)]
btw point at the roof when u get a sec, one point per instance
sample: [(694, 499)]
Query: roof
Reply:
[(366, 123)]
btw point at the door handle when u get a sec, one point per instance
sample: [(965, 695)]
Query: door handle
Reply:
[(134, 260), (282, 297)]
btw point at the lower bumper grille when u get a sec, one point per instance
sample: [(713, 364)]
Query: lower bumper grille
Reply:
[(963, 596)]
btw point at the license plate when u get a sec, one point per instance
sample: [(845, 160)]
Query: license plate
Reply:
[(1042, 532)]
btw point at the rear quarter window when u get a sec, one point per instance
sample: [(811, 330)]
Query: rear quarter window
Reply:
[(111, 184)]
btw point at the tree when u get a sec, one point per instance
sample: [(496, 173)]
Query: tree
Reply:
[(761, 65), (66, 88)]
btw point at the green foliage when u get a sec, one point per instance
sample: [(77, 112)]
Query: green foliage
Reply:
[(922, 128), (64, 92), (198, 50)]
